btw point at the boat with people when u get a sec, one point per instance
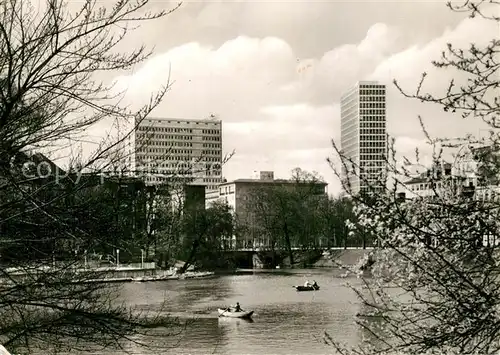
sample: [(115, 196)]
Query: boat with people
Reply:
[(308, 286), (234, 312)]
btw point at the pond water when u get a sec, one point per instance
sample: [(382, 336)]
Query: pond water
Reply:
[(285, 321)]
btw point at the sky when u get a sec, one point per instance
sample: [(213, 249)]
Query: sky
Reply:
[(274, 71)]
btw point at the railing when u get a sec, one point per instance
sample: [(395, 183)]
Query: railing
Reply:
[(296, 248)]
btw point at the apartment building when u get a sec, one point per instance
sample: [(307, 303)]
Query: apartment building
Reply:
[(170, 149), (364, 134)]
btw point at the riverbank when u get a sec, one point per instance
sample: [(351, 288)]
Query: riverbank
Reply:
[(185, 276), (336, 258), (116, 275)]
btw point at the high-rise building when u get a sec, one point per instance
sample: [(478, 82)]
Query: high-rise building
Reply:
[(166, 149), (363, 134)]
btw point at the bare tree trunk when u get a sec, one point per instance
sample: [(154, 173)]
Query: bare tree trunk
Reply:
[(189, 260), (288, 243)]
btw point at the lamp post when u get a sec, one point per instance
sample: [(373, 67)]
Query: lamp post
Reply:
[(142, 258), (117, 258)]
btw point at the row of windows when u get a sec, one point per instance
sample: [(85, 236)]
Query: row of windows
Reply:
[(211, 145), (364, 118), (211, 159), (152, 136), (163, 150), (372, 150), (159, 178), (371, 164), (164, 144), (226, 190), (210, 131), (372, 92), (189, 122), (425, 186), (165, 129), (372, 124), (211, 172), (371, 86), (163, 176), (372, 111), (373, 131), (372, 144), (208, 138), (372, 105), (160, 158), (179, 171), (370, 189), (377, 156), (378, 138), (212, 180), (370, 177), (212, 152), (491, 196), (182, 158), (372, 98), (182, 164)]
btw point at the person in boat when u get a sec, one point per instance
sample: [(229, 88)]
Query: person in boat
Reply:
[(315, 284), (307, 283), (237, 308)]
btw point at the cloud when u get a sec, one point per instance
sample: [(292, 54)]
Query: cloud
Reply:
[(407, 67), (279, 111)]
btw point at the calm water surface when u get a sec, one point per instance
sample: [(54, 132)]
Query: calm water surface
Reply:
[(284, 322)]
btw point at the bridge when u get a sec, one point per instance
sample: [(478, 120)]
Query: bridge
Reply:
[(257, 249), (262, 257)]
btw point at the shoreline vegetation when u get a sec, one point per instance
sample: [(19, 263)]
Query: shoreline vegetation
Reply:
[(105, 278)]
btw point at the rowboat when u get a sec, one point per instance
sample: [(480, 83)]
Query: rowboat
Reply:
[(306, 288), (231, 314)]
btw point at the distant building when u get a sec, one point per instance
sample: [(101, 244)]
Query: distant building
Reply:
[(474, 170), (171, 149), (237, 195), (363, 134), (428, 183), (461, 178)]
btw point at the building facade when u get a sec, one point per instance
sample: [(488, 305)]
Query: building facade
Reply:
[(172, 149), (474, 168), (429, 183), (463, 177), (238, 193), (364, 134)]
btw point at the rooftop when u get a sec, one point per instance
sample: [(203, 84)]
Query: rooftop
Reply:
[(175, 119), (275, 181), (425, 176)]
